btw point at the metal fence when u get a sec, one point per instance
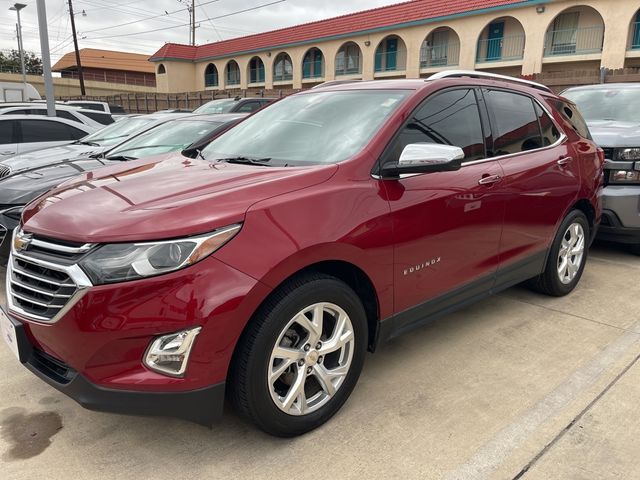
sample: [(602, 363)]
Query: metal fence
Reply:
[(501, 49), (575, 41)]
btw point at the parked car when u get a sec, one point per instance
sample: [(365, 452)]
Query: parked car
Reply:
[(92, 145), (88, 117), (170, 134), (612, 115), (98, 106), (313, 231), (25, 133), (234, 105), (17, 92)]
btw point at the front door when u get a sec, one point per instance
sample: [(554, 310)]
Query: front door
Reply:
[(447, 225), (494, 44)]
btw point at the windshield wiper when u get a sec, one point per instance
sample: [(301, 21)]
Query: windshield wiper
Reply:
[(246, 160), (120, 158), (91, 144)]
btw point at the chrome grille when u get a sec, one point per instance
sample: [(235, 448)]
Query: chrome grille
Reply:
[(4, 171), (42, 283)]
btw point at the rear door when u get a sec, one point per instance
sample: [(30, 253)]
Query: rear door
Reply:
[(41, 133), (447, 225), (541, 176)]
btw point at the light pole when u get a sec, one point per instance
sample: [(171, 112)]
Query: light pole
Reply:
[(17, 7)]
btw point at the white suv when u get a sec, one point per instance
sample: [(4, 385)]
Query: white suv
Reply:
[(88, 117)]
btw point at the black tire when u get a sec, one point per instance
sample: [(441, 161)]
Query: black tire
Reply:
[(248, 386), (549, 281)]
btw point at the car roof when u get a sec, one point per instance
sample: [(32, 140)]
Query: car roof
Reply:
[(604, 86), (211, 117), (58, 106), (73, 123)]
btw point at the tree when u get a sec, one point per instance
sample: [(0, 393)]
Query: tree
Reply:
[(10, 61)]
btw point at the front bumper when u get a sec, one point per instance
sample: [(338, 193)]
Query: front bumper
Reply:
[(99, 343), (621, 215), (202, 406), (612, 230)]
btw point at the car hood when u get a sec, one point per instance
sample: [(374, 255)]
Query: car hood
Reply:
[(161, 197), (612, 134), (50, 156), (21, 188)]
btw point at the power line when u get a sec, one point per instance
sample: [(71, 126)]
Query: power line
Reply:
[(184, 24)]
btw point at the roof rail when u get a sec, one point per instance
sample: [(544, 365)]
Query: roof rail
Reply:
[(330, 83), (488, 76)]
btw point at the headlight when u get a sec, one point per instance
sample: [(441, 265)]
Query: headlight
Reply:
[(628, 154), (624, 177), (14, 213), (119, 262)]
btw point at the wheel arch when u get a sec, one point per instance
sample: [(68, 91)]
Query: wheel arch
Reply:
[(589, 210)]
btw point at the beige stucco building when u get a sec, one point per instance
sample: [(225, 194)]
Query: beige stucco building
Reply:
[(412, 40)]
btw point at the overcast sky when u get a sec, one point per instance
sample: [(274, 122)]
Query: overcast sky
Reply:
[(99, 27)]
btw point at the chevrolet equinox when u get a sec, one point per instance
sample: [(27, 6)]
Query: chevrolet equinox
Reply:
[(315, 230)]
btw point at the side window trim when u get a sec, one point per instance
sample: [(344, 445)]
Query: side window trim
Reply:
[(375, 172), (563, 136)]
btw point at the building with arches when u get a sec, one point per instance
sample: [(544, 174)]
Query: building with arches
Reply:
[(415, 39)]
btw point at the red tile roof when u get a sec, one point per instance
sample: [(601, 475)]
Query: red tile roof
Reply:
[(400, 13)]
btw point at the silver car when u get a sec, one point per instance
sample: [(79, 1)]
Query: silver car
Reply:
[(613, 115)]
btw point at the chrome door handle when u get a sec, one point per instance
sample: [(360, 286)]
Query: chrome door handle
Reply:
[(565, 161), (490, 180)]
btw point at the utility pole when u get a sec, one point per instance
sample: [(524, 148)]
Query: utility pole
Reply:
[(193, 22), (46, 59), (17, 7), (75, 44)]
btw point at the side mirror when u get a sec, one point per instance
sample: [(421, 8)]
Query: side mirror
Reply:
[(425, 158)]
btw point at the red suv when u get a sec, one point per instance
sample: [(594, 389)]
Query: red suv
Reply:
[(316, 229)]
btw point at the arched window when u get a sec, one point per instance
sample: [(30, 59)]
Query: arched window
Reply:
[(233, 73), (313, 64), (348, 60), (502, 40), (256, 70), (440, 48), (575, 31), (211, 76), (161, 69), (282, 68), (391, 55)]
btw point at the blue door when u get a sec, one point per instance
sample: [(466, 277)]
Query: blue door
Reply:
[(494, 44)]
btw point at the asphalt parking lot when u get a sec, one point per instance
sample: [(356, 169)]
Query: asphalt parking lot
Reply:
[(518, 386)]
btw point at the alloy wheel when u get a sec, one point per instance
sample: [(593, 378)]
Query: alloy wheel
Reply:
[(311, 359), (571, 253)]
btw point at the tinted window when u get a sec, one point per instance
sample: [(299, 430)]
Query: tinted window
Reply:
[(116, 109), (7, 131), (67, 115), (550, 133), (515, 123), (248, 107), (91, 106), (450, 118), (103, 118), (571, 114), (48, 131)]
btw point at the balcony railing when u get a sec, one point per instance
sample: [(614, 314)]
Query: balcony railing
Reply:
[(635, 38), (211, 80), (501, 49), (390, 61), (344, 69), (313, 69), (576, 41), (233, 79), (283, 77), (440, 55), (256, 75)]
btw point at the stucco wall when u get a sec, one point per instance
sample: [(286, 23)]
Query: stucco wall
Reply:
[(533, 21)]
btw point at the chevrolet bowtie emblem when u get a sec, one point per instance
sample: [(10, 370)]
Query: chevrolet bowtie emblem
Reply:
[(21, 241)]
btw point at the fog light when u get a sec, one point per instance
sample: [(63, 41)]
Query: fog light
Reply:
[(169, 354)]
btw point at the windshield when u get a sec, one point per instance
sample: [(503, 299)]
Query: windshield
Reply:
[(217, 106), (620, 104), (116, 132), (168, 137), (313, 128)]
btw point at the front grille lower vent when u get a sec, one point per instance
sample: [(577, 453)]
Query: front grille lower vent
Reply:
[(4, 171)]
